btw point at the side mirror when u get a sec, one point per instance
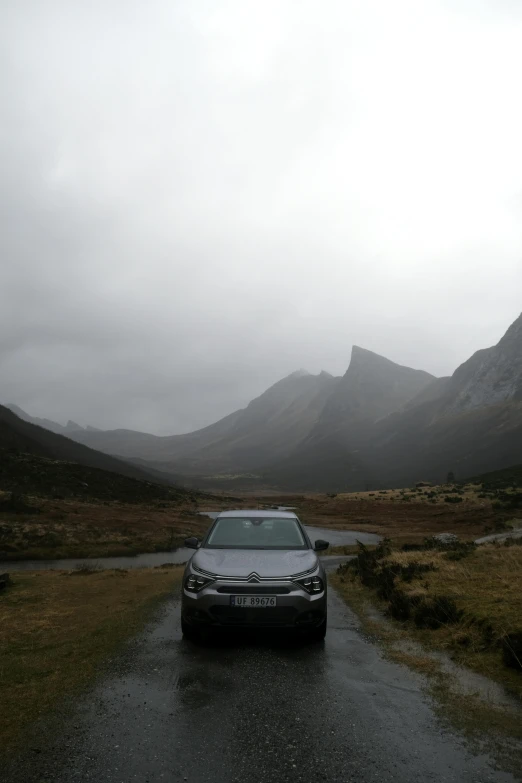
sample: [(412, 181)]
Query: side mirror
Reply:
[(321, 545), (192, 542)]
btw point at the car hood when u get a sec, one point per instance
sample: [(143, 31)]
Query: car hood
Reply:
[(263, 562)]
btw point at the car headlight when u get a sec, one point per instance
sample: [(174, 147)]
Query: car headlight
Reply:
[(194, 583), (312, 584)]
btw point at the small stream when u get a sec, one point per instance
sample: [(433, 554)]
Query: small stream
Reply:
[(180, 555)]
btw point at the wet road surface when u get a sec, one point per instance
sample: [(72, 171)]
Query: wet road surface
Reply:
[(254, 711)]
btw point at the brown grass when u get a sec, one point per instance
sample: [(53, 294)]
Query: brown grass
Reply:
[(97, 529), (58, 627), (403, 522), (69, 528), (492, 725), (487, 588)]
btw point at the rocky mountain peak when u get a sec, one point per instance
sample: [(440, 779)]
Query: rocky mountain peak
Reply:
[(491, 376), (72, 426), (514, 333), (371, 388), (363, 359)]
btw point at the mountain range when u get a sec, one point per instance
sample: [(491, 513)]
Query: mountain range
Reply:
[(48, 424), (381, 424), (20, 436)]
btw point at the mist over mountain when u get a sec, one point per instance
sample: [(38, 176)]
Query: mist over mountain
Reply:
[(380, 424), (371, 388), (48, 424), (19, 436), (269, 427)]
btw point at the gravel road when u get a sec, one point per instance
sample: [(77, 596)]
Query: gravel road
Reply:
[(256, 711)]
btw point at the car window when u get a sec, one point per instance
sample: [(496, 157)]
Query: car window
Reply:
[(256, 533)]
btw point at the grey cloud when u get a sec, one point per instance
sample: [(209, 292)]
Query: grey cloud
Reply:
[(199, 198)]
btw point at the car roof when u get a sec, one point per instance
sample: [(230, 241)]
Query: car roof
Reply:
[(268, 512)]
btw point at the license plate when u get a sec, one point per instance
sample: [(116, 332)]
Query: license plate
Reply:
[(253, 601)]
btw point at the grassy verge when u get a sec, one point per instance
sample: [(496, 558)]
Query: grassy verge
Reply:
[(454, 618), (465, 706), (57, 630), (467, 607)]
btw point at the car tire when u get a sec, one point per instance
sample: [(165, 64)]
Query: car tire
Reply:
[(188, 631), (318, 633)]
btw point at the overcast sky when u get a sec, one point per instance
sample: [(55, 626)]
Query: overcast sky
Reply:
[(199, 197)]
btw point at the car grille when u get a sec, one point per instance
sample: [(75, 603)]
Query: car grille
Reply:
[(253, 590), (269, 616)]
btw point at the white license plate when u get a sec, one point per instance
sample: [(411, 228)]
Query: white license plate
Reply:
[(253, 601)]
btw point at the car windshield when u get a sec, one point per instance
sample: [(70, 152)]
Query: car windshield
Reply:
[(256, 533)]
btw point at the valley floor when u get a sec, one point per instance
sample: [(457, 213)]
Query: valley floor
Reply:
[(48, 529)]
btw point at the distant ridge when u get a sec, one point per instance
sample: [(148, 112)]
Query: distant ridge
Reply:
[(380, 424), (48, 424), (17, 435)]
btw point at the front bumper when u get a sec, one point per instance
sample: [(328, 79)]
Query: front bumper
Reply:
[(295, 608)]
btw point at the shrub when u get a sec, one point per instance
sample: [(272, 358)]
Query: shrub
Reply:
[(459, 554), (86, 570), (512, 650), (436, 611), (17, 504), (453, 499), (402, 605), (415, 570)]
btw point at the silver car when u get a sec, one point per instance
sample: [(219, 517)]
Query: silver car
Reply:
[(255, 569)]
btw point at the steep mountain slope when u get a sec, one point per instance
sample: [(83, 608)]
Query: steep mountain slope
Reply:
[(131, 443), (330, 457), (492, 376), (381, 424), (371, 388), (22, 436), (474, 425), (269, 427), (29, 474), (433, 391), (468, 423)]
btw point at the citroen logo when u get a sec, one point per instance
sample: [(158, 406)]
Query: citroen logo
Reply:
[(253, 578)]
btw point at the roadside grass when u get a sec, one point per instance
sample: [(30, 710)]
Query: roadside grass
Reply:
[(485, 587), (58, 628), (440, 656)]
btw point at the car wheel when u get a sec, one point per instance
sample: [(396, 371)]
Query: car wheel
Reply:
[(188, 631), (317, 634)]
